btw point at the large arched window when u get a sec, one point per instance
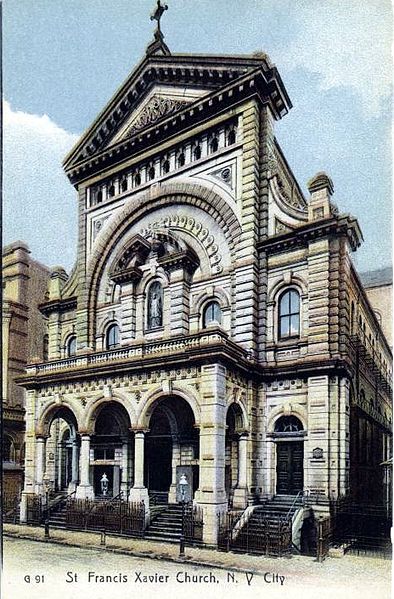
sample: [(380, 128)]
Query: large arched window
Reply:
[(155, 306), (288, 424), (212, 314), (112, 336), (71, 346), (289, 314)]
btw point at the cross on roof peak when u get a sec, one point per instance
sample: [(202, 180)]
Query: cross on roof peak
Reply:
[(158, 13)]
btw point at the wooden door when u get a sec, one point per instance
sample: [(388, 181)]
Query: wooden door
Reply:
[(290, 467)]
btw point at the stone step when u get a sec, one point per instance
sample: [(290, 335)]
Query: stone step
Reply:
[(155, 526), (165, 521), (162, 534)]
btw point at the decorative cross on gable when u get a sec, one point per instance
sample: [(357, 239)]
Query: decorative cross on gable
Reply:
[(156, 16)]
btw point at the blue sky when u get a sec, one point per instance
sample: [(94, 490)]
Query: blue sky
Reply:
[(63, 60)]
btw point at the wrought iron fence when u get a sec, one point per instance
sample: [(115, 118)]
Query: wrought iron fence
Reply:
[(193, 523), (361, 528), (10, 507), (323, 537), (259, 534), (34, 509), (116, 516)]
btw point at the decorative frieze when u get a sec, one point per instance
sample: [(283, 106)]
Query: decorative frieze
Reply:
[(178, 157)]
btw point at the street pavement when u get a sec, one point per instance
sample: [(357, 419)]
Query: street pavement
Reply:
[(74, 563)]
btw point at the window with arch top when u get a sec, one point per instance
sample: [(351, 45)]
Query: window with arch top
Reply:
[(288, 424), (71, 347), (112, 336), (212, 314), (289, 314)]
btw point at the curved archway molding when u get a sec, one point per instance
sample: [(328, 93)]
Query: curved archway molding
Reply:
[(157, 197)]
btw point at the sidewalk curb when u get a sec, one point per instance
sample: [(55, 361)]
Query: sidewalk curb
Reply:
[(141, 554)]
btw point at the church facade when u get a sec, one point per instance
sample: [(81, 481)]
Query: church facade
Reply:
[(214, 325)]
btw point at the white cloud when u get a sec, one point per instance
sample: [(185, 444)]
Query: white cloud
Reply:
[(348, 43), (39, 203)]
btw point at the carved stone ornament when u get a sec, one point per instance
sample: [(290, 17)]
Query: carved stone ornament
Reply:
[(175, 221), (98, 225), (225, 175), (317, 453), (281, 227), (156, 109)]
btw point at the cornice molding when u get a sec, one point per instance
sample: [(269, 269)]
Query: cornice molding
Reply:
[(344, 225), (264, 85), (59, 305)]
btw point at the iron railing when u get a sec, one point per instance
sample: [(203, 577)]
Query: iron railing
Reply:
[(259, 534), (114, 515)]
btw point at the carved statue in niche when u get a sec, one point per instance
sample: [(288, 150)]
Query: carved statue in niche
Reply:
[(155, 306)]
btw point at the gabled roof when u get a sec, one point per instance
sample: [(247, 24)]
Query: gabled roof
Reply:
[(205, 74)]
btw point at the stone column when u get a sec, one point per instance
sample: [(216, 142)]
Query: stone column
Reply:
[(84, 489), (124, 486), (176, 455), (241, 492), (211, 495), (139, 492), (74, 475), (40, 463), (72, 486), (59, 457)]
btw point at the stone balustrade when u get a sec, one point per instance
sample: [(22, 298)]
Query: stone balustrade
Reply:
[(136, 351)]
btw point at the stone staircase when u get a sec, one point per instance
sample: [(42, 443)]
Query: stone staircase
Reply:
[(166, 524), (266, 530), (281, 506), (57, 516), (58, 511)]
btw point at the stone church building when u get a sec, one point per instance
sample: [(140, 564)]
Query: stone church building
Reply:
[(214, 325)]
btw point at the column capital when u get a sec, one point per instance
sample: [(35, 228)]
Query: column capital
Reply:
[(41, 437), (85, 433), (138, 429)]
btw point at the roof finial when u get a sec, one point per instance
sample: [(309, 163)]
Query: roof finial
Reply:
[(157, 46), (156, 16)]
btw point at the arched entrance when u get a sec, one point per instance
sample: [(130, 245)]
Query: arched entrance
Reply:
[(171, 446), (62, 449), (289, 440), (112, 451)]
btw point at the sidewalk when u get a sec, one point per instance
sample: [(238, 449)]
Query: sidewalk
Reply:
[(361, 572), (146, 549)]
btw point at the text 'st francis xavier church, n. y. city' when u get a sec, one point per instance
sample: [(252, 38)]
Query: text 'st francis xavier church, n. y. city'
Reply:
[(214, 342)]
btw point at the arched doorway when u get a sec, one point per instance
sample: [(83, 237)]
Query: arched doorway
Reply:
[(112, 451), (61, 450), (171, 445), (289, 438)]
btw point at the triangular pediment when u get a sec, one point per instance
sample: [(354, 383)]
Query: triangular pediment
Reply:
[(159, 103), (158, 87)]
